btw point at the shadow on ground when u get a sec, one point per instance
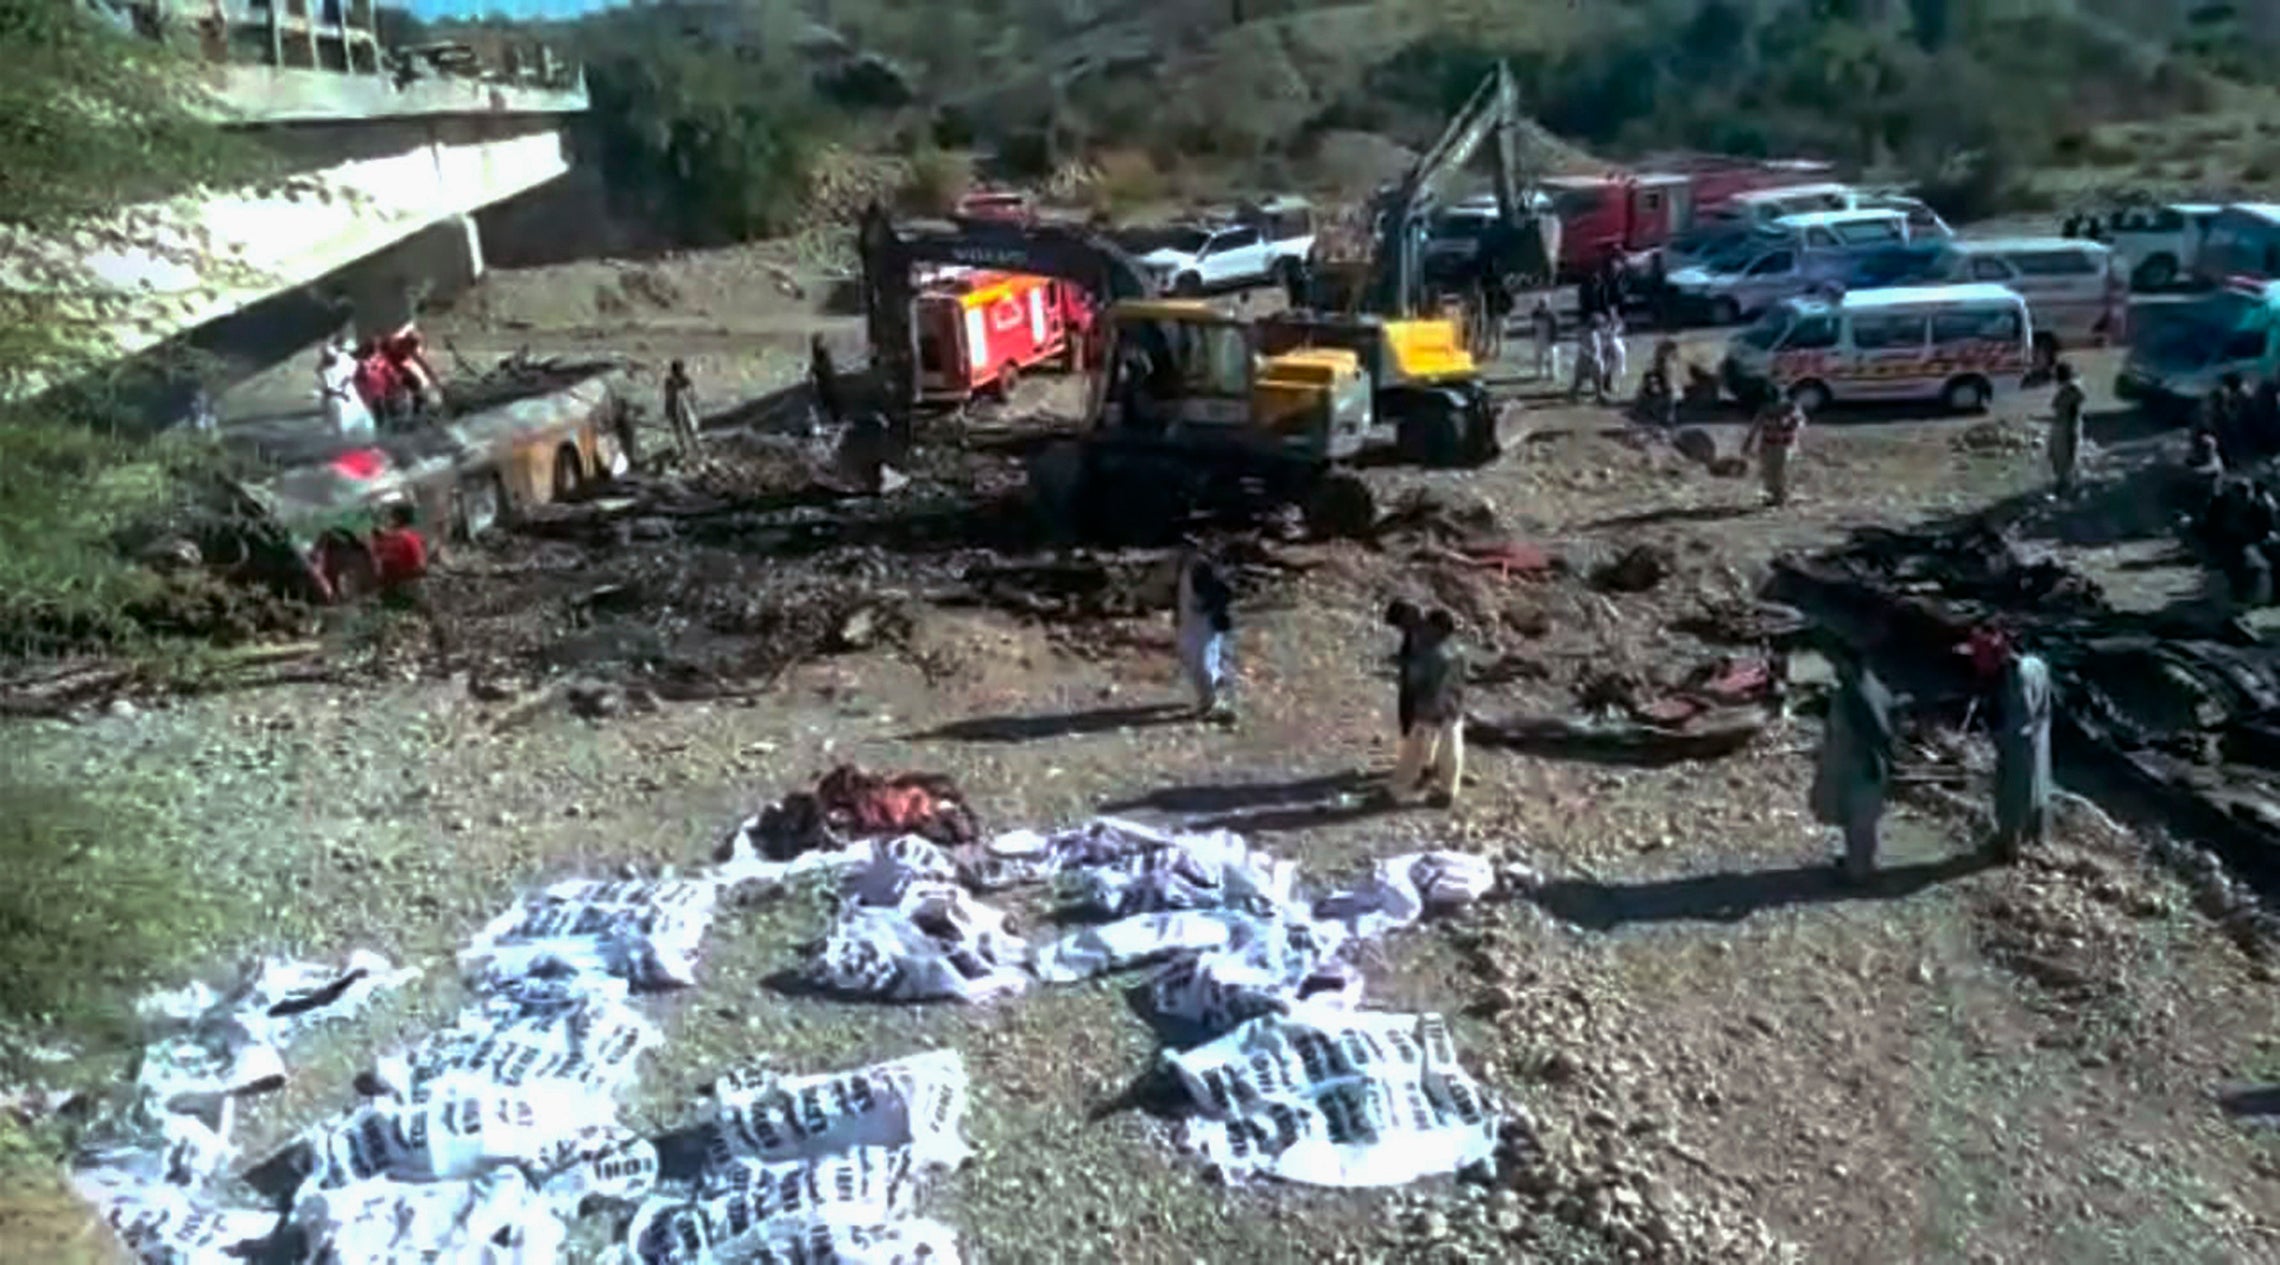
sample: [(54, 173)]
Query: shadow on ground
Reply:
[(1064, 725), (1731, 897), (1268, 807)]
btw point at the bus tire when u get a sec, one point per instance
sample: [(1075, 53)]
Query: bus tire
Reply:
[(1008, 381), (477, 505), (1966, 394), (1812, 395), (569, 472)]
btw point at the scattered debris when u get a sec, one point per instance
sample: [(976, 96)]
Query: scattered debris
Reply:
[(1636, 569)]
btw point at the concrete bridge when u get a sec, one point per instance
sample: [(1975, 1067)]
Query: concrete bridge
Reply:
[(391, 153)]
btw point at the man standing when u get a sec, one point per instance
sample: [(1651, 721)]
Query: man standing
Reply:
[(1856, 762), (1546, 325), (1774, 439), (1206, 627), (681, 411), (2021, 681), (1429, 702), (400, 565), (344, 407), (2065, 431), (2226, 412), (1587, 367), (823, 380)]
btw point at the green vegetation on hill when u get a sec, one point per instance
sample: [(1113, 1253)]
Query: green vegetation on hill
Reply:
[(712, 110)]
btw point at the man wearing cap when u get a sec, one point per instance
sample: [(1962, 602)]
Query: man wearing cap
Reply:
[(2021, 721)]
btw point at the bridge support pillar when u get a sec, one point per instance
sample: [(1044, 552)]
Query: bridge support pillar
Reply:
[(386, 291)]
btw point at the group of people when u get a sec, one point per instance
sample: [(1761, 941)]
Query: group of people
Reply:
[(1429, 698), (384, 380), (1854, 773)]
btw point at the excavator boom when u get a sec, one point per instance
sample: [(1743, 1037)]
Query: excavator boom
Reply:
[(1492, 116)]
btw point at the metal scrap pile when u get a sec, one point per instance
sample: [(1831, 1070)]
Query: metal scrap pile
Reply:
[(2189, 716)]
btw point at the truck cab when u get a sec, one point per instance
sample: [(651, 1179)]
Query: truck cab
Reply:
[(2181, 349)]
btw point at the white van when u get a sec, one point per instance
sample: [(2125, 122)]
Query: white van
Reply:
[(2074, 288), (1845, 230), (1759, 208), (1962, 345), (1794, 255)]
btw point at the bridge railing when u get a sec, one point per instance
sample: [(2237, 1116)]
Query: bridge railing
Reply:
[(335, 35)]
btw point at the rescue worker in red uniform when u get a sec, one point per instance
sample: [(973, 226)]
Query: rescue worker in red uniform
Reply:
[(400, 563), (377, 382), (415, 377)]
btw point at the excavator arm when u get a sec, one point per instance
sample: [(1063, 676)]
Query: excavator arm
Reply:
[(890, 251), (1491, 116)]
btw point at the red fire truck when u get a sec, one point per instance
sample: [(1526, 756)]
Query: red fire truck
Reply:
[(979, 331), (1620, 213)]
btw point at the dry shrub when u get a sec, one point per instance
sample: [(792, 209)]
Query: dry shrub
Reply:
[(1128, 178), (938, 179)]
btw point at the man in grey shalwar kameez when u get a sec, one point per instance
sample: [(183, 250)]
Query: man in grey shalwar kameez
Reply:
[(1856, 763), (2022, 741)]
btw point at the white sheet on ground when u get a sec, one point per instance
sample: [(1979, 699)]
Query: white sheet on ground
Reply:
[(906, 931), (1335, 1097), (645, 932), (818, 1168)]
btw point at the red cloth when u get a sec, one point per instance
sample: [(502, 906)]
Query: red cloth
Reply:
[(376, 379), (400, 555)]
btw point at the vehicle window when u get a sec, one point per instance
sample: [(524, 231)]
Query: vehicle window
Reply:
[(1570, 203), (2166, 222), (2055, 263), (1651, 201), (1887, 332), (1814, 333), (1820, 237), (1987, 268), (1235, 239), (2244, 344), (1971, 325), (1775, 264), (1869, 233)]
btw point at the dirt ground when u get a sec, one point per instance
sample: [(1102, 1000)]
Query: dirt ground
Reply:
[(1722, 1055)]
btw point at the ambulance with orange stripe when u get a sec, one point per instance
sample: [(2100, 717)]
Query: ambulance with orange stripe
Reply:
[(1962, 345)]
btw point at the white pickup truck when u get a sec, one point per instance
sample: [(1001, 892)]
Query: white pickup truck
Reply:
[(1270, 241)]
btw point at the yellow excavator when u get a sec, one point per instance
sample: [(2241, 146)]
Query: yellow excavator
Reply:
[(1195, 410), (1188, 410), (1376, 301)]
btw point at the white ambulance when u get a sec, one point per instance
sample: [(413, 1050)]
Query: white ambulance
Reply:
[(1962, 345)]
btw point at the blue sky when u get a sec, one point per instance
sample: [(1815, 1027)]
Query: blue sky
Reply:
[(504, 8)]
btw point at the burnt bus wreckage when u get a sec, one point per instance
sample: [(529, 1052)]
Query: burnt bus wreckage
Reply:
[(2183, 716)]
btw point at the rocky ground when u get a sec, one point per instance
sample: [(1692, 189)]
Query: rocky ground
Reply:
[(1711, 1052)]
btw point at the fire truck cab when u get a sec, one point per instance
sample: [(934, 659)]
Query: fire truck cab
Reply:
[(978, 331)]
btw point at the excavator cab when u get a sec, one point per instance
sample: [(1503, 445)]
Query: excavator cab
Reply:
[(1422, 379), (1178, 372)]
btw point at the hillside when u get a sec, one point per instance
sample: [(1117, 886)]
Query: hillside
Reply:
[(703, 110)]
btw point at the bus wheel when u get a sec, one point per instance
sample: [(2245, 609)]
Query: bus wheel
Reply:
[(476, 505), (1008, 381), (1810, 396), (569, 473), (1965, 395)]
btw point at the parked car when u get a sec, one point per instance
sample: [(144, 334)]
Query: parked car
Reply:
[(2180, 349), (2073, 286), (1268, 241), (2159, 245)]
